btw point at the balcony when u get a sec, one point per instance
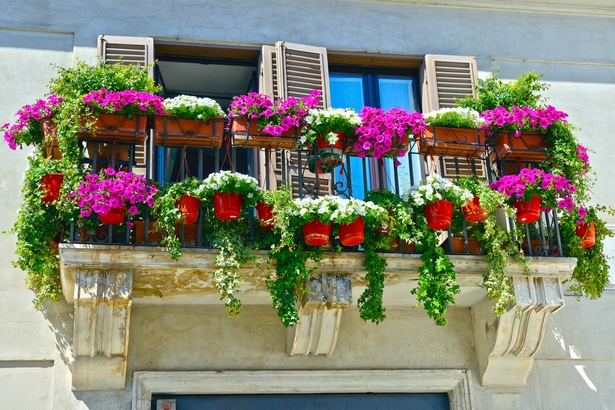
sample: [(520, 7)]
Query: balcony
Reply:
[(107, 268)]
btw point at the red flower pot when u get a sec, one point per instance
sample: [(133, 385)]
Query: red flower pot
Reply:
[(316, 233), (114, 216), (472, 211), (439, 214), (330, 155), (587, 233), (189, 209), (228, 206), (265, 213), (353, 233), (50, 189), (528, 211)]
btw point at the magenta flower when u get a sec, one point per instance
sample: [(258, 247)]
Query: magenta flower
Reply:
[(522, 119), (27, 128), (125, 103)]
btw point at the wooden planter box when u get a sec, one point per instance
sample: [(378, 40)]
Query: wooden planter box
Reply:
[(112, 127), (456, 142), (529, 146), (250, 136), (350, 140), (177, 132)]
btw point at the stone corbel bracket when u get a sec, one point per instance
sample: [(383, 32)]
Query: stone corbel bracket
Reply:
[(320, 314), (506, 346), (102, 303)]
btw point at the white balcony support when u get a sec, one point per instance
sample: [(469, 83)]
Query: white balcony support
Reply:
[(506, 346), (102, 302), (320, 315)]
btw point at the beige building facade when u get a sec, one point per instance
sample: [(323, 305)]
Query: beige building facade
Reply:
[(132, 323)]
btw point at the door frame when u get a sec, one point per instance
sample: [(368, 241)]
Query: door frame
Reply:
[(457, 383)]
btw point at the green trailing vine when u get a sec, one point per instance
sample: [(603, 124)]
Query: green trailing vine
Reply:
[(437, 284), (370, 302)]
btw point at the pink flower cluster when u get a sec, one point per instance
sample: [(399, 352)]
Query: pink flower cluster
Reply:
[(111, 189), (382, 131), (538, 183), (276, 117), (582, 155), (126, 103), (26, 115), (524, 117)]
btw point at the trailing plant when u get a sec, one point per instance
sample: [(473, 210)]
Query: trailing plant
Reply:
[(400, 222), (167, 215), (27, 129), (231, 182), (370, 302), (330, 123), (493, 92), (193, 108)]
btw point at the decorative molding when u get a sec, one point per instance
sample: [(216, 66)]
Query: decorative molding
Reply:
[(102, 302), (320, 315), (506, 346), (457, 383)]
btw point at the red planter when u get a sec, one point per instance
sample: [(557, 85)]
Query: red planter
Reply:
[(189, 209), (228, 206), (587, 233), (114, 216), (50, 189), (472, 211), (316, 233), (330, 155), (352, 234), (265, 213), (528, 211), (439, 214)]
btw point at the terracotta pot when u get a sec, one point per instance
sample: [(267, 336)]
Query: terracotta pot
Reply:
[(439, 214), (153, 237), (587, 233), (114, 216), (451, 141), (254, 137), (174, 131), (528, 211), (50, 139), (472, 211), (265, 213), (112, 127), (352, 234), (530, 146), (228, 206), (394, 245), (329, 155), (189, 209), (316, 233), (51, 185), (407, 246), (459, 246)]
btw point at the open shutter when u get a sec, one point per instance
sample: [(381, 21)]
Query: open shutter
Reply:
[(293, 70), (446, 78), (129, 50)]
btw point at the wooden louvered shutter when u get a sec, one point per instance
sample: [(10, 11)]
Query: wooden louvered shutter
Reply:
[(129, 50), (446, 78), (293, 70)]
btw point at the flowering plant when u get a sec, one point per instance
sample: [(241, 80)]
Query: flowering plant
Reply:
[(191, 107), (27, 128), (113, 189), (522, 119), (555, 190), (330, 123), (456, 117), (231, 182), (307, 209), (381, 133), (125, 103), (434, 188), (350, 209), (274, 118)]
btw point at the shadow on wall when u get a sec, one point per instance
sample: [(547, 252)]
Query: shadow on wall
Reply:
[(59, 316)]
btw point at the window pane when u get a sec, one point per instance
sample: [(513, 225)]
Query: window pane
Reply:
[(347, 92), (399, 92)]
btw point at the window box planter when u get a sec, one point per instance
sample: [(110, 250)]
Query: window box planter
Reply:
[(154, 238), (467, 142), (113, 127), (247, 134), (173, 131), (459, 246), (529, 146)]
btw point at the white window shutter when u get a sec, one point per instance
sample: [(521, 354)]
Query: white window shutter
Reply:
[(129, 50), (444, 79), (293, 70)]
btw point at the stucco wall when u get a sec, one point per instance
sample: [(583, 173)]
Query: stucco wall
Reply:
[(573, 369)]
